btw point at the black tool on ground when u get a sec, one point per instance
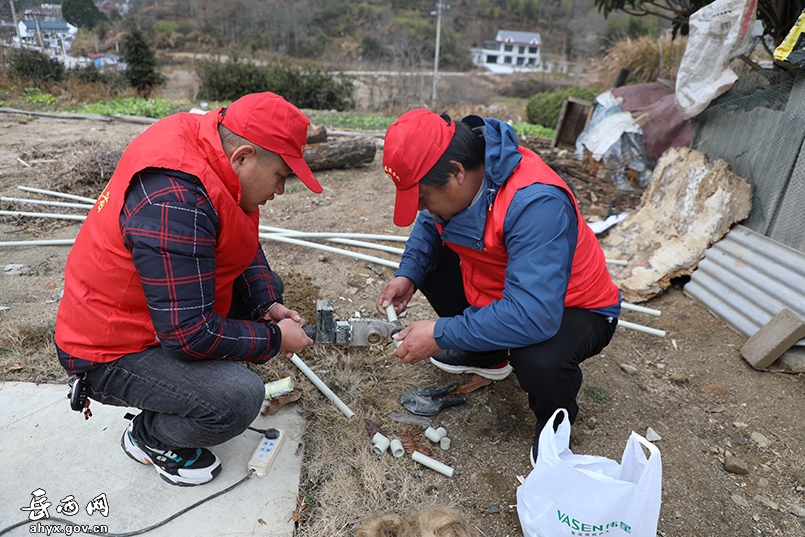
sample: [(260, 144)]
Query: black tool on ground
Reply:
[(355, 332), (429, 402), (78, 395)]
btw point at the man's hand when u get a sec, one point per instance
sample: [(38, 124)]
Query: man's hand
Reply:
[(279, 312), (294, 338), (398, 292), (417, 342)]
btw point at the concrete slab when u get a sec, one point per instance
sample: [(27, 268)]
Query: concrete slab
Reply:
[(45, 446)]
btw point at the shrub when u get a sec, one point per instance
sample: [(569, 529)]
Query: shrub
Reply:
[(544, 108), (35, 68), (647, 59), (228, 81), (307, 86), (90, 74)]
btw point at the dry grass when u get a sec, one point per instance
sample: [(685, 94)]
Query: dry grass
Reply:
[(647, 59), (343, 480), (28, 352)]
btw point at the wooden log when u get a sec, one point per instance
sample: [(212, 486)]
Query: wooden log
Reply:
[(344, 153), (316, 134)]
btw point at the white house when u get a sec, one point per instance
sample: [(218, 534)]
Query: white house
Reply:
[(49, 29), (510, 52)]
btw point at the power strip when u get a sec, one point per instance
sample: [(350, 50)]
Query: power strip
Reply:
[(266, 452)]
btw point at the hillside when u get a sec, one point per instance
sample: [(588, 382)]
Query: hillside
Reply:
[(348, 33)]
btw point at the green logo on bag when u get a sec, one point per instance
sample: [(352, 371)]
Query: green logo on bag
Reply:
[(591, 530)]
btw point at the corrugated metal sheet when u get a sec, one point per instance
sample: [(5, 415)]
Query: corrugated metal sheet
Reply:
[(746, 279)]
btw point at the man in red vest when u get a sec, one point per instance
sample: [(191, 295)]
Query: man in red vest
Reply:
[(503, 255), (167, 288)]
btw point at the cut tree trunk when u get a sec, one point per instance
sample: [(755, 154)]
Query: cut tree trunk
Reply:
[(346, 153), (316, 134)]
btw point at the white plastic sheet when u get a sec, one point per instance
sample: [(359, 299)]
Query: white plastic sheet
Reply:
[(719, 32)]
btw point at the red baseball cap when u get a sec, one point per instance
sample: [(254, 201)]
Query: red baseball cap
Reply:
[(413, 145), (268, 120)]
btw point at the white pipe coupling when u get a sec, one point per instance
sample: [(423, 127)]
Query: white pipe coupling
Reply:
[(444, 443), (381, 443), (397, 448), (434, 435)]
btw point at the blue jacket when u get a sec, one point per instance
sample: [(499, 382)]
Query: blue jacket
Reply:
[(540, 232)]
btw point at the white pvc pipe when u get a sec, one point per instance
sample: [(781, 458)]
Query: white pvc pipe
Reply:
[(57, 194), (316, 246), (44, 242), (392, 316), (321, 234), (322, 386), (616, 262), (640, 328), (640, 309), (50, 203), (432, 464), (44, 215), (362, 244), (283, 238)]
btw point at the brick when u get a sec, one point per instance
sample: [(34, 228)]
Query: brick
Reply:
[(773, 339)]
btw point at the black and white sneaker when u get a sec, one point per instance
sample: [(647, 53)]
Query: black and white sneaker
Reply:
[(185, 467), (492, 365)]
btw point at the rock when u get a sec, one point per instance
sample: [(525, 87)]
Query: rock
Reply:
[(796, 510), (799, 477), (768, 502), (632, 370), (679, 378), (688, 205), (493, 509), (740, 500), (763, 482), (652, 436), (736, 466), (761, 440), (15, 269)]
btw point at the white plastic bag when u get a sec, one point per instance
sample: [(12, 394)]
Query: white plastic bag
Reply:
[(719, 32), (588, 496)]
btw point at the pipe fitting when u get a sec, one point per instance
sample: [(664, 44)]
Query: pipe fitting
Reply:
[(434, 435), (444, 443), (397, 448), (381, 443)]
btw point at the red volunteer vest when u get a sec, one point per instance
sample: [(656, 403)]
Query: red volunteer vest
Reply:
[(484, 272), (104, 314)]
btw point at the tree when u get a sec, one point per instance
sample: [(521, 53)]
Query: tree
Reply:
[(81, 13), (777, 16), (142, 70)]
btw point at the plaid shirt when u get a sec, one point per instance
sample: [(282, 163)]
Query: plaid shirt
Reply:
[(170, 227)]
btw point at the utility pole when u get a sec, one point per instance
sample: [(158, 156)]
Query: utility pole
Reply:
[(14, 16), (439, 8)]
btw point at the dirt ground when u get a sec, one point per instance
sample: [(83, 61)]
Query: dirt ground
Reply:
[(692, 386)]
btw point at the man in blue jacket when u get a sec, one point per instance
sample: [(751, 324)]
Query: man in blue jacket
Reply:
[(503, 255)]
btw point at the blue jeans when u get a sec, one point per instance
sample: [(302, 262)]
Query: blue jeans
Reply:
[(184, 404)]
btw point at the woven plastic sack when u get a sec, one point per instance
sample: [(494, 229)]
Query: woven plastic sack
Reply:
[(583, 495), (719, 32)]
